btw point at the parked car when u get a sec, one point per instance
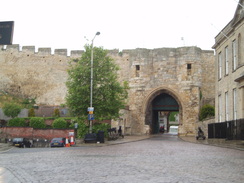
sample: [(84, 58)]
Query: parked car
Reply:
[(58, 142), (21, 142)]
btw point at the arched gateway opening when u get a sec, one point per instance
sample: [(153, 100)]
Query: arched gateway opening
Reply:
[(160, 106)]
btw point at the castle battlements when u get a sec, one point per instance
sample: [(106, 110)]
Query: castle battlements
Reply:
[(47, 51), (41, 51)]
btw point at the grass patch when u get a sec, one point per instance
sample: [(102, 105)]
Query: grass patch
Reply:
[(7, 98)]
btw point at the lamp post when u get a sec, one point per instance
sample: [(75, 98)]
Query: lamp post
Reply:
[(91, 89)]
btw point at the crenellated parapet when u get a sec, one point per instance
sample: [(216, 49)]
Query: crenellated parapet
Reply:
[(41, 51), (30, 49)]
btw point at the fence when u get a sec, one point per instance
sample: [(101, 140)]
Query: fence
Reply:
[(41, 111), (231, 130)]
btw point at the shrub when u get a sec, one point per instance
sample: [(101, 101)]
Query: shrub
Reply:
[(82, 126), (206, 111), (37, 122), (82, 130), (11, 110), (20, 122), (31, 112), (59, 123), (28, 103), (56, 113)]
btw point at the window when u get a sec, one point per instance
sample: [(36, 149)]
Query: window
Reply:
[(137, 70), (234, 55), (226, 61), (220, 65), (220, 108), (226, 107), (137, 67), (234, 104), (188, 66), (241, 61)]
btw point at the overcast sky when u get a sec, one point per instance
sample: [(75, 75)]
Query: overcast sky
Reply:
[(124, 24)]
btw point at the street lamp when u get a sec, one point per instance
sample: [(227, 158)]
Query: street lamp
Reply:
[(91, 108)]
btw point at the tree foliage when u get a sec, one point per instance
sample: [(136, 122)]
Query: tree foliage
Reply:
[(108, 94), (83, 127), (11, 110), (101, 127)]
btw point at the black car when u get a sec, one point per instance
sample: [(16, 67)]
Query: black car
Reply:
[(58, 142), (21, 142)]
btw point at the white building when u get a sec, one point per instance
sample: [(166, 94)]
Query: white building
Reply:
[(229, 47)]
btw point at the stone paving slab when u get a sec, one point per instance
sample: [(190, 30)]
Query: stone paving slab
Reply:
[(7, 176), (234, 144), (120, 140), (5, 147), (124, 159)]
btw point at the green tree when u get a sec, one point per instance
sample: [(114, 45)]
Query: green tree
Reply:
[(108, 94), (11, 110)]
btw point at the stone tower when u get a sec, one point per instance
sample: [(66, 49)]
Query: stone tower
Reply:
[(165, 80)]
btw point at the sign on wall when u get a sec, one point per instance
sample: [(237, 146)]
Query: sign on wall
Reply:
[(6, 32)]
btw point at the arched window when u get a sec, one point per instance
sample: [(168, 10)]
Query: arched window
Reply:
[(240, 47)]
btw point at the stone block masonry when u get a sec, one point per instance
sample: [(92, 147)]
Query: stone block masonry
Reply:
[(185, 73), (31, 133)]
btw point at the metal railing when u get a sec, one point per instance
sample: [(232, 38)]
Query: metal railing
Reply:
[(231, 130)]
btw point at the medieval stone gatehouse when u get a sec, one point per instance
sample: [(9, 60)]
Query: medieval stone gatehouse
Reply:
[(161, 81), (165, 80)]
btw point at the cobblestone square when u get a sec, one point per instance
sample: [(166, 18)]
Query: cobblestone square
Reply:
[(163, 159)]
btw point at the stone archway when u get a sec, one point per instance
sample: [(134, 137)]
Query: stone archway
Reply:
[(161, 100)]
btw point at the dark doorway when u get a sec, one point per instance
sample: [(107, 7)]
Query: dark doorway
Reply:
[(162, 105)]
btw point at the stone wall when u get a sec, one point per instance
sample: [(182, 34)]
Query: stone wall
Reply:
[(38, 75), (183, 73), (204, 125), (31, 133), (164, 70)]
